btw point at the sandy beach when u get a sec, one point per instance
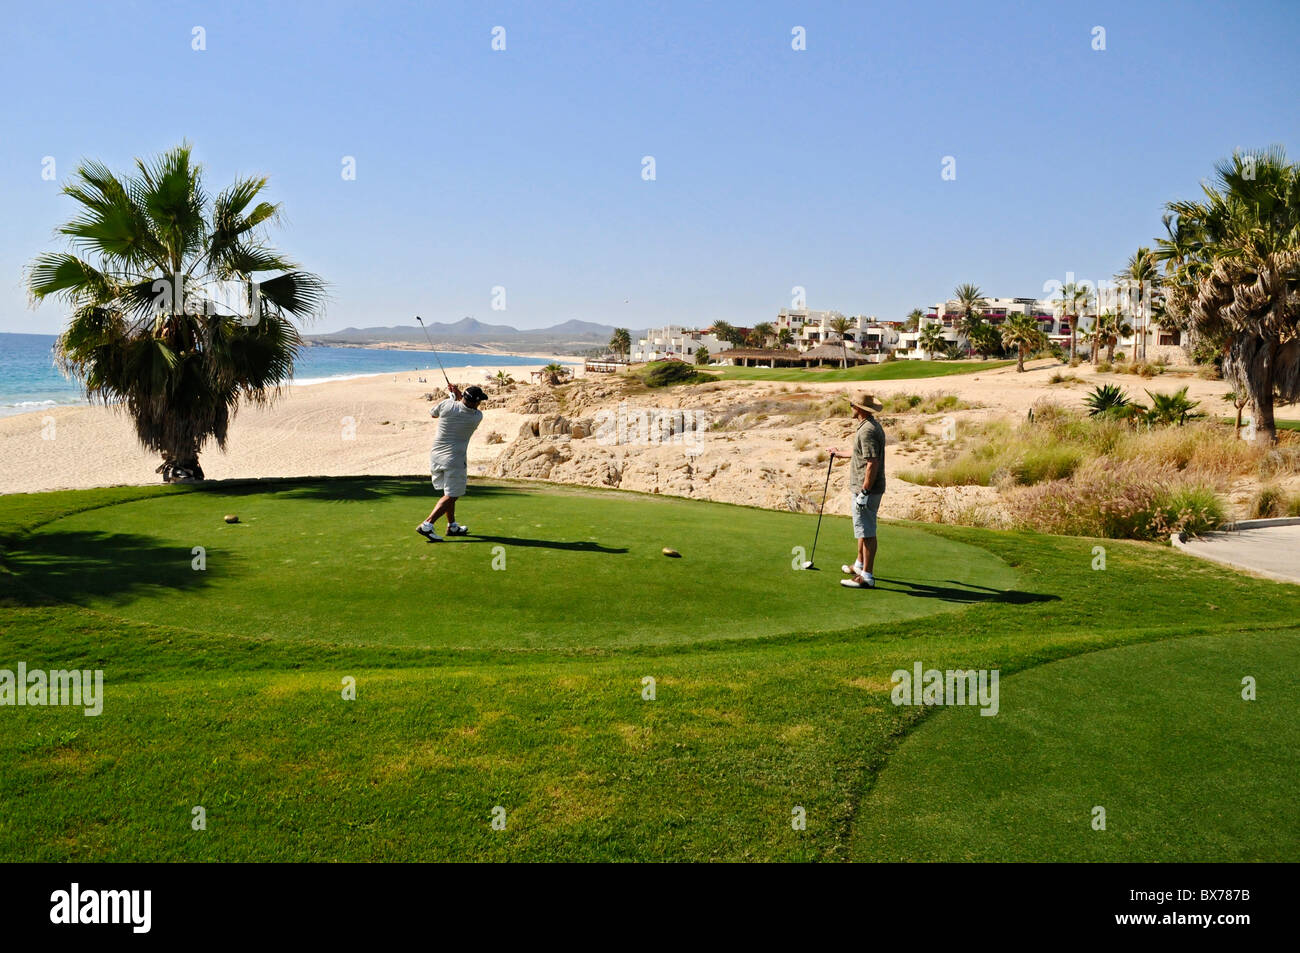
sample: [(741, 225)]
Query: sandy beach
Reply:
[(377, 424)]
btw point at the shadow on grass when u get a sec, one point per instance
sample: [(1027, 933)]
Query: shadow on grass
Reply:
[(342, 489), (575, 546), (964, 592), (64, 567)]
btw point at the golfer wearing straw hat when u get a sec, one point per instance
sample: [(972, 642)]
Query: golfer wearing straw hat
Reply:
[(867, 483)]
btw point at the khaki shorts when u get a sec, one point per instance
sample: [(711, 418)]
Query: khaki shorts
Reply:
[(451, 478), (864, 516)]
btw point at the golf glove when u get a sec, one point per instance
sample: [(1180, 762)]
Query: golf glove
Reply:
[(860, 498)]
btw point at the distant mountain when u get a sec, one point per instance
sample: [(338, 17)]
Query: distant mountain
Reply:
[(575, 327), (471, 332)]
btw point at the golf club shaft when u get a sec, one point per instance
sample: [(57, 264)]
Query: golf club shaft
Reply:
[(429, 338), (812, 557)]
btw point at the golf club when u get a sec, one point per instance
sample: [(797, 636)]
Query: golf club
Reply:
[(813, 555), (429, 338)]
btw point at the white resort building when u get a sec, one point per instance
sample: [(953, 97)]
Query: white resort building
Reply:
[(674, 341)]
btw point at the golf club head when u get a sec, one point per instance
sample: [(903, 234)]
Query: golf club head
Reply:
[(809, 565)]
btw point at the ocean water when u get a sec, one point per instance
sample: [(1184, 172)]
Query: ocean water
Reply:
[(29, 380)]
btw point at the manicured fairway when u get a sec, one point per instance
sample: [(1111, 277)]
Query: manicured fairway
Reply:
[(890, 371), (340, 562), (1158, 735), (717, 696)]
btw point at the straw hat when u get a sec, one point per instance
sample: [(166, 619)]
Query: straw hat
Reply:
[(866, 403)]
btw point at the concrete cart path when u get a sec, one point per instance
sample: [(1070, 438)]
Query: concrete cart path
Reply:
[(1271, 550)]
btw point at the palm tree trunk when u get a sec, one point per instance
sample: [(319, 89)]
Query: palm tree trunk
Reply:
[(1020, 358), (1249, 366), (1071, 326)]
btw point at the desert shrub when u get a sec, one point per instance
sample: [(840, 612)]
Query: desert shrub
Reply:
[(669, 373), (1293, 507), (901, 403), (1105, 367)]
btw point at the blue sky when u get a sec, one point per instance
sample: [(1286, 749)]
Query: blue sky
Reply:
[(774, 168)]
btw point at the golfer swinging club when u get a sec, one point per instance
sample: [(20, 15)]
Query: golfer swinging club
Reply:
[(458, 418), (867, 483)]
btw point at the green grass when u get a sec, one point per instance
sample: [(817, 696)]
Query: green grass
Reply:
[(479, 688), (890, 371), (1280, 424), (1206, 774)]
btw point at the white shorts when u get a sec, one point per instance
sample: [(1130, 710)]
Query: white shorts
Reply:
[(451, 478)]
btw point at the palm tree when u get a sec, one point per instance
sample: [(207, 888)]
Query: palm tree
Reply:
[(763, 332), (1233, 264), (1073, 299), (913, 319), (1022, 332), (1143, 274), (970, 302), (931, 339), (1116, 328), (1172, 408), (785, 337), (555, 372), (503, 379), (724, 331), (985, 339), (171, 316), (1098, 334), (621, 342), (842, 326)]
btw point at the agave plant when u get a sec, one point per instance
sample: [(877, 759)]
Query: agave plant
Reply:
[(149, 330), (1106, 400)]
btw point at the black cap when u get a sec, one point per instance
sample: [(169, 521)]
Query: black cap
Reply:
[(476, 393)]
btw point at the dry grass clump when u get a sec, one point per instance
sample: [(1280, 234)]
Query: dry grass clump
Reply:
[(1118, 499), (1204, 448), (924, 403), (1063, 472), (941, 508), (1271, 501)]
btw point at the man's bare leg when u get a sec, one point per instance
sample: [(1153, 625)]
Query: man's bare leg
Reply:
[(867, 553), (445, 505)]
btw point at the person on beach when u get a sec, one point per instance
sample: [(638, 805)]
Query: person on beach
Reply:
[(867, 483), (458, 418)]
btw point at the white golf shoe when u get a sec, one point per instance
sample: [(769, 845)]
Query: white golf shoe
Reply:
[(456, 529), (426, 530)]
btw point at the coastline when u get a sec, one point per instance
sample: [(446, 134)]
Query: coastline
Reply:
[(372, 424)]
